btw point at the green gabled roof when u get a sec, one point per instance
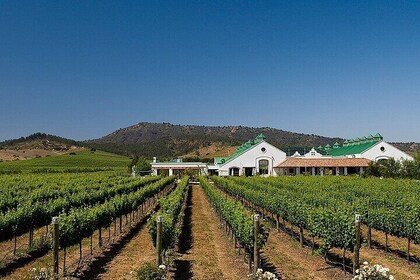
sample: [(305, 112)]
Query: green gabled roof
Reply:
[(351, 150), (248, 145)]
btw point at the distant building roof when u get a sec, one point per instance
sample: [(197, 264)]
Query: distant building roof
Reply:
[(324, 162), (352, 146)]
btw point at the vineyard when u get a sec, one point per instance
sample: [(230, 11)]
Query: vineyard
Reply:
[(326, 207), (109, 225)]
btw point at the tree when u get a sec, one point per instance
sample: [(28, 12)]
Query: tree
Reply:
[(392, 168), (132, 163), (410, 169), (374, 169), (143, 165)]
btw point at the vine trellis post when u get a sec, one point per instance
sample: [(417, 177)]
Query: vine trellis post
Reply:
[(356, 257), (256, 249), (159, 241), (55, 244)]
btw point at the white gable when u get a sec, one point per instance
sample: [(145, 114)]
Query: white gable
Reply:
[(252, 158), (384, 150)]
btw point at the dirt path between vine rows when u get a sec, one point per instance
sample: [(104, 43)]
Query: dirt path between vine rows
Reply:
[(209, 254), (45, 261), (399, 268), (295, 262), (138, 251)]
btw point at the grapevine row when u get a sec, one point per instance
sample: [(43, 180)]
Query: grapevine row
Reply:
[(170, 208), (33, 189), (28, 216), (391, 206), (82, 222), (335, 226), (235, 214)]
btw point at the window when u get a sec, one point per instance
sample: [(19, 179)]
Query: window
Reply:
[(263, 150), (234, 171), (312, 153), (382, 149), (263, 166)]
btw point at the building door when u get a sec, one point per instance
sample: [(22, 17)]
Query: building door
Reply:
[(248, 171), (263, 166)]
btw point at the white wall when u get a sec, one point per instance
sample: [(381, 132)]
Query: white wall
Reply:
[(390, 151), (251, 158)]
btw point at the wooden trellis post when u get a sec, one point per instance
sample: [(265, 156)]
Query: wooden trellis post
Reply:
[(55, 244), (256, 249), (159, 241), (356, 257)]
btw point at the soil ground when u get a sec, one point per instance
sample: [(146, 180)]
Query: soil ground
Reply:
[(294, 262), (397, 246), (138, 251), (209, 254), (22, 247), (284, 252)]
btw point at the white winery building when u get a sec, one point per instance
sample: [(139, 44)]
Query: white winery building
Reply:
[(258, 157), (254, 157)]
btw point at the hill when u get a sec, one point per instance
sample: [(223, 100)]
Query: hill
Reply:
[(82, 160), (36, 145), (168, 140), (24, 141)]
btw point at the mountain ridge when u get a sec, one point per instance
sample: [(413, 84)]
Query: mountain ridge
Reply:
[(175, 140)]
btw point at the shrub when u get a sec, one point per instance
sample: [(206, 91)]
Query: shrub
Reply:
[(261, 275), (375, 272), (41, 274), (150, 272)]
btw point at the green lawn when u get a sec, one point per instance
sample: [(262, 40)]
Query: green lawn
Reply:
[(81, 160)]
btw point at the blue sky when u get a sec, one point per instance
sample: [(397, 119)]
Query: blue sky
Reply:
[(82, 69)]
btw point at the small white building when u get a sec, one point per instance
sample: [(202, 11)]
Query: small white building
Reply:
[(254, 157), (177, 167)]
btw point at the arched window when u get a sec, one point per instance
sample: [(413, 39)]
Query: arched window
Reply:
[(263, 166)]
